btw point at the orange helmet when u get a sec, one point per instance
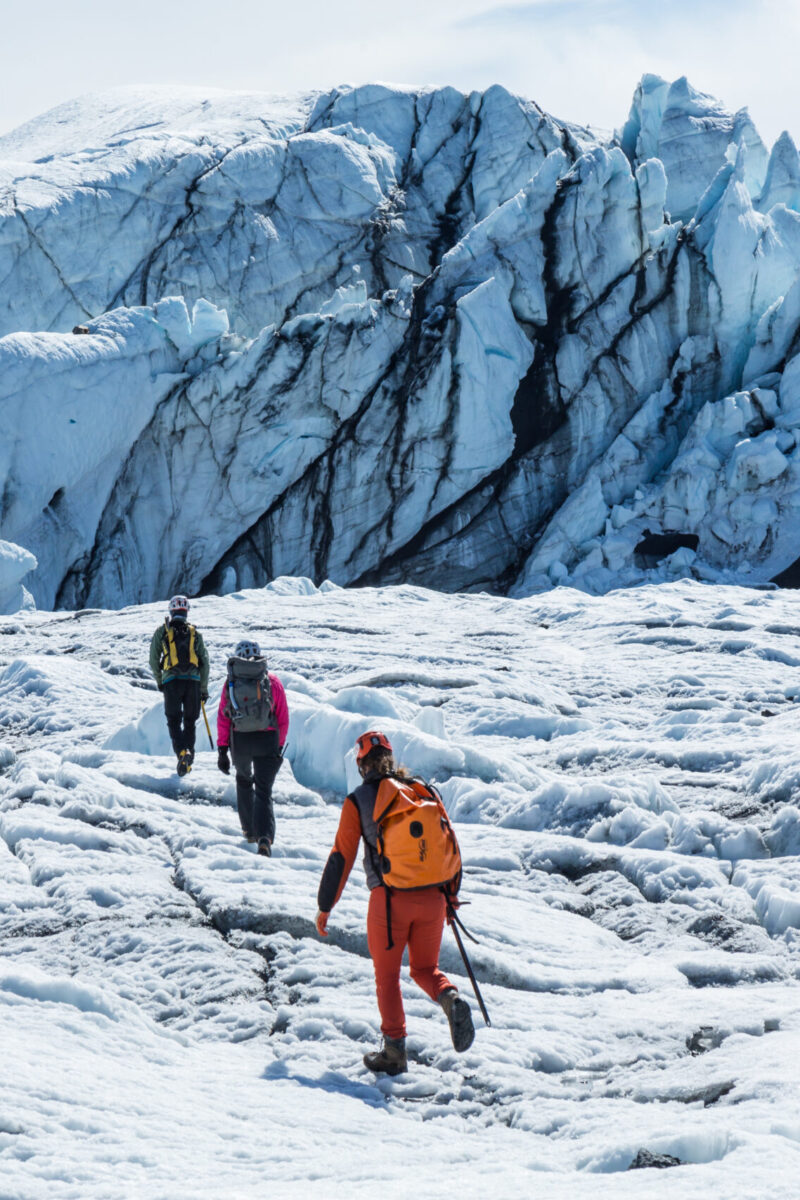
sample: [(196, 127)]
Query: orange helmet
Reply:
[(368, 741)]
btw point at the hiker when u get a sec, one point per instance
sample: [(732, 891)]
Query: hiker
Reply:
[(406, 906), (253, 720), (179, 662)]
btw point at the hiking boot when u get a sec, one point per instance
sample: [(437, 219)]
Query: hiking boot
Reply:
[(390, 1059), (184, 763), (264, 847), (457, 1011), (249, 837)]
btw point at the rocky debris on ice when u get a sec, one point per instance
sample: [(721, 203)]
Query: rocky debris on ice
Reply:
[(646, 1158)]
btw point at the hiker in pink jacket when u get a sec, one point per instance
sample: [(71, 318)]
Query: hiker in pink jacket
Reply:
[(253, 720)]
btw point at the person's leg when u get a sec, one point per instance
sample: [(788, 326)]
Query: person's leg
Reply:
[(191, 711), (243, 765), (427, 916), (173, 710), (265, 767), (387, 962), (426, 912)]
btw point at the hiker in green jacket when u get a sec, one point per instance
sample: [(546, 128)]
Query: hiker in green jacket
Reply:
[(179, 662)]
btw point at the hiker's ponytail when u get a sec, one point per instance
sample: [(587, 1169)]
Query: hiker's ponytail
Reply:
[(379, 762)]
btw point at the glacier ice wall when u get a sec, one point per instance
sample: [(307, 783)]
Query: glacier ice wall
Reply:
[(387, 334)]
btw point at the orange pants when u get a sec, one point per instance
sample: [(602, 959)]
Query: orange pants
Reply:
[(417, 922)]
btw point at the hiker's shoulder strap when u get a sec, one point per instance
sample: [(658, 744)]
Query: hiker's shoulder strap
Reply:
[(167, 639)]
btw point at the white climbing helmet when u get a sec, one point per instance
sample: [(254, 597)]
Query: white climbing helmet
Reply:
[(178, 606), (247, 649)]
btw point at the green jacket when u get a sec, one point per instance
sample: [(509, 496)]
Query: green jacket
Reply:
[(159, 659)]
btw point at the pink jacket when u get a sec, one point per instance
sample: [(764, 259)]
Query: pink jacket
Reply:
[(278, 703)]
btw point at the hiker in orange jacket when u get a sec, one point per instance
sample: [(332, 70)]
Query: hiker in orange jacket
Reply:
[(395, 919)]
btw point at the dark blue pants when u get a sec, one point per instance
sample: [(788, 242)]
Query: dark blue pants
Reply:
[(257, 761)]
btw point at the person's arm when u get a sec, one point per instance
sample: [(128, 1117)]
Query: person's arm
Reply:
[(155, 654), (281, 708), (223, 720), (340, 862), (202, 658)]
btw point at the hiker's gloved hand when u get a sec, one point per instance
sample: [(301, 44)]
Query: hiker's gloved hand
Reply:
[(204, 696), (160, 687), (322, 924), (223, 761)]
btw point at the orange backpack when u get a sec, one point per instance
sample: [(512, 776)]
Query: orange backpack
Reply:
[(417, 846)]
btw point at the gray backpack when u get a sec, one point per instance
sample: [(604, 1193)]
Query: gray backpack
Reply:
[(249, 695)]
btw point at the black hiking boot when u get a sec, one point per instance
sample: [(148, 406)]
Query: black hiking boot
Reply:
[(457, 1011), (390, 1059), (184, 763), (249, 837), (264, 847)]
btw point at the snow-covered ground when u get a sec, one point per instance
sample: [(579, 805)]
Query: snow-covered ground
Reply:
[(622, 771)]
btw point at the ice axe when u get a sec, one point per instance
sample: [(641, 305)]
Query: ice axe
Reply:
[(208, 727), (454, 923)]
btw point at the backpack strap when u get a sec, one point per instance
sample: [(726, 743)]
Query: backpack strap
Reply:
[(193, 659), (168, 651)]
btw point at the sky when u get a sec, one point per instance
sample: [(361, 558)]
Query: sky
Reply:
[(579, 59)]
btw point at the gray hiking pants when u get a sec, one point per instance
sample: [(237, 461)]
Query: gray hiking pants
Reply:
[(257, 761)]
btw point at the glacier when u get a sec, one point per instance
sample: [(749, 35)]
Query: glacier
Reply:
[(623, 776), (384, 335)]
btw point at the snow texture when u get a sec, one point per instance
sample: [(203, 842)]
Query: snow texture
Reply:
[(394, 335), (623, 777)]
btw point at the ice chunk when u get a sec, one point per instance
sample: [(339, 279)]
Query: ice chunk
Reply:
[(16, 564)]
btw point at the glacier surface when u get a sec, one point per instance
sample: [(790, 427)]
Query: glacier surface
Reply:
[(623, 775), (384, 334)]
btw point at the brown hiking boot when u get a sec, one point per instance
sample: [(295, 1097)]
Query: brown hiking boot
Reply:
[(390, 1059), (457, 1011)]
